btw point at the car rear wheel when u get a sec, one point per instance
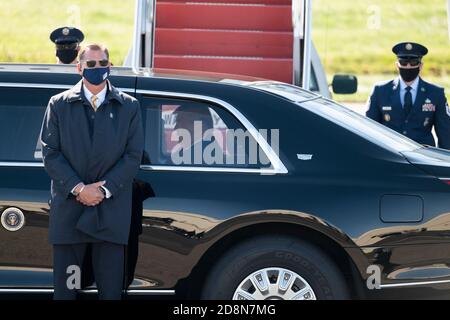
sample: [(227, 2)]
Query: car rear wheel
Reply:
[(275, 268)]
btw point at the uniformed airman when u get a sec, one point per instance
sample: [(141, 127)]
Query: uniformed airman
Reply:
[(67, 41), (410, 105)]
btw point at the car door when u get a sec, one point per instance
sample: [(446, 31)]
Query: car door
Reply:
[(193, 194), (25, 255), (25, 252)]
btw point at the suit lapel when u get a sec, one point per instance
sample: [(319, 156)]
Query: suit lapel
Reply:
[(395, 96)]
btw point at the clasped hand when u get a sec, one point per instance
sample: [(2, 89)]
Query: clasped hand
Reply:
[(91, 195)]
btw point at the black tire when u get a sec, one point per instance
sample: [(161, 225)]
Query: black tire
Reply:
[(261, 252)]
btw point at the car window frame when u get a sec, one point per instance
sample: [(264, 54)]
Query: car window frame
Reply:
[(276, 165)]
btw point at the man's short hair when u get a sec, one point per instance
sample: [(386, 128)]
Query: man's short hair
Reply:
[(94, 47)]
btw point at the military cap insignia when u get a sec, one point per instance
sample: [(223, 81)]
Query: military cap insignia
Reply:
[(65, 31), (408, 46)]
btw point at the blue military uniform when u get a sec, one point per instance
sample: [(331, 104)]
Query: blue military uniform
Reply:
[(430, 109), (386, 105)]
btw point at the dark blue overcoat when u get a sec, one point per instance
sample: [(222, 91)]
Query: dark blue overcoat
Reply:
[(113, 153)]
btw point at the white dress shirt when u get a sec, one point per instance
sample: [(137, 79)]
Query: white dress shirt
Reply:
[(100, 99), (414, 86), (100, 96)]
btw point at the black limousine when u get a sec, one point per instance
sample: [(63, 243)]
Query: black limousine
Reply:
[(335, 206)]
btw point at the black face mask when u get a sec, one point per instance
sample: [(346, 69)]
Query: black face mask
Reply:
[(66, 56), (409, 75)]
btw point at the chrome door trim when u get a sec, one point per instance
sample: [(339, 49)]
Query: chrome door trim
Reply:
[(46, 86), (207, 169), (21, 164), (262, 171), (88, 291), (277, 165), (410, 284)]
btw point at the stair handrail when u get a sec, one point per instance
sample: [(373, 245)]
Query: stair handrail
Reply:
[(297, 25), (307, 43), (144, 29), (301, 24)]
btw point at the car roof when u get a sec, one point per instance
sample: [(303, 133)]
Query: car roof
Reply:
[(127, 71), (285, 90)]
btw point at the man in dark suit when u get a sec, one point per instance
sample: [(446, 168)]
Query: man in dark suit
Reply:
[(408, 104), (92, 143)]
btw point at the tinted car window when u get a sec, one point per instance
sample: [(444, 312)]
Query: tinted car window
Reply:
[(362, 125), (194, 133), (21, 114)]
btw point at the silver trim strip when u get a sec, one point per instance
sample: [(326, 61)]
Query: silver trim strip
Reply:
[(46, 86), (207, 169), (263, 171), (21, 164), (410, 284), (277, 165), (89, 291)]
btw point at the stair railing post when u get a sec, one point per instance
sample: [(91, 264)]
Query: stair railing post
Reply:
[(307, 42), (297, 25)]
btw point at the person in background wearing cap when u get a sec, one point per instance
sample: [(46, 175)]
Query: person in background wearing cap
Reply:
[(67, 41), (410, 105)]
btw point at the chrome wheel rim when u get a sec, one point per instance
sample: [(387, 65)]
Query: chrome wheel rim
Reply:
[(274, 283)]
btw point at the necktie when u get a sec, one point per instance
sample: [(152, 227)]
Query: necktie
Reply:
[(408, 100), (94, 102)]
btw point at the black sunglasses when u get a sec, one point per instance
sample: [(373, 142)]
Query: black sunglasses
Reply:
[(414, 62), (67, 46), (93, 63)]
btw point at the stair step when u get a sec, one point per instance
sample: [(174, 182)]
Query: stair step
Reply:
[(268, 68), (224, 16), (223, 43)]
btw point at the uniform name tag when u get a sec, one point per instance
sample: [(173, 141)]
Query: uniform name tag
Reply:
[(386, 108)]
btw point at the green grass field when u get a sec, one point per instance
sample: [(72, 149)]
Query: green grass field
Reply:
[(26, 26), (351, 36), (357, 36)]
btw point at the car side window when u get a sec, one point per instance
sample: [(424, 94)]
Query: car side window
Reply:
[(21, 114), (185, 132)]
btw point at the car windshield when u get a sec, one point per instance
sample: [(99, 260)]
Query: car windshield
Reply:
[(341, 115)]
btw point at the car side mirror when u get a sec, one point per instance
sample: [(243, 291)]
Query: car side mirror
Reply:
[(344, 84)]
